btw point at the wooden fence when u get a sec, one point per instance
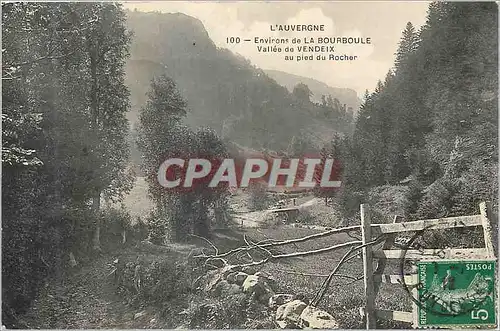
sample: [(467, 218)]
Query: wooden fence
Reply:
[(373, 278)]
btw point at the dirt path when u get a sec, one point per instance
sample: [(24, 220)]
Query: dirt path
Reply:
[(86, 299), (256, 218), (251, 219), (309, 203)]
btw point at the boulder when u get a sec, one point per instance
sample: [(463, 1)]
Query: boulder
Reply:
[(236, 277), (231, 277), (234, 289), (224, 288), (269, 280), (213, 277), (240, 278), (257, 288), (250, 283), (288, 314), (279, 299), (250, 270), (314, 318)]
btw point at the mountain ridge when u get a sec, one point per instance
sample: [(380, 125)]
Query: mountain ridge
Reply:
[(345, 95), (223, 90)]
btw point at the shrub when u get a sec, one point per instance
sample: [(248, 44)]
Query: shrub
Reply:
[(437, 199), (114, 222), (158, 226), (387, 201), (305, 217), (139, 230), (349, 202), (479, 183), (412, 198), (273, 221)]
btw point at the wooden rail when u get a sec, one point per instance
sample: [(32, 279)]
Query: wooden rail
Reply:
[(428, 254), (373, 278), (401, 316), (434, 224)]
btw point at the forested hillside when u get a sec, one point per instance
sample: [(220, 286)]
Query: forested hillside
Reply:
[(223, 91), (319, 89), (431, 126)]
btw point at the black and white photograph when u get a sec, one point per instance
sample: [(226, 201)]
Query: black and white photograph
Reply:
[(249, 165)]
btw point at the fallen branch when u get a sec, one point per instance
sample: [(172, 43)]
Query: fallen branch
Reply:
[(322, 290), (261, 248), (207, 241), (319, 296), (298, 254), (317, 251), (286, 242)]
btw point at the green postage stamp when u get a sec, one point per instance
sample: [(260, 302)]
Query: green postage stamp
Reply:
[(456, 293)]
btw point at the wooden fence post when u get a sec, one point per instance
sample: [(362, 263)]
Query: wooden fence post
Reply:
[(485, 208), (368, 267)]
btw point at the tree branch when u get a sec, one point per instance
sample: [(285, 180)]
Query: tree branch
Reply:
[(207, 241), (290, 241), (297, 254), (315, 275), (317, 298)]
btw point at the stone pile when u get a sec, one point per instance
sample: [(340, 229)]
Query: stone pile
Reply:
[(290, 311)]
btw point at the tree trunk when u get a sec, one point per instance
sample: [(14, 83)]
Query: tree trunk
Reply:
[(96, 206)]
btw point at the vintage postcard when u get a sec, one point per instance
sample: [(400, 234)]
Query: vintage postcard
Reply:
[(249, 165)]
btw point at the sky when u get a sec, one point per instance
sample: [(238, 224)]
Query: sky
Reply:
[(383, 22)]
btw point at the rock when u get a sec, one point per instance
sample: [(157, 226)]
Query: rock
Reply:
[(301, 297), (240, 278), (250, 283), (224, 288), (288, 314), (236, 277), (231, 277), (279, 299), (234, 289), (257, 288), (213, 277), (269, 280), (315, 318), (249, 270)]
